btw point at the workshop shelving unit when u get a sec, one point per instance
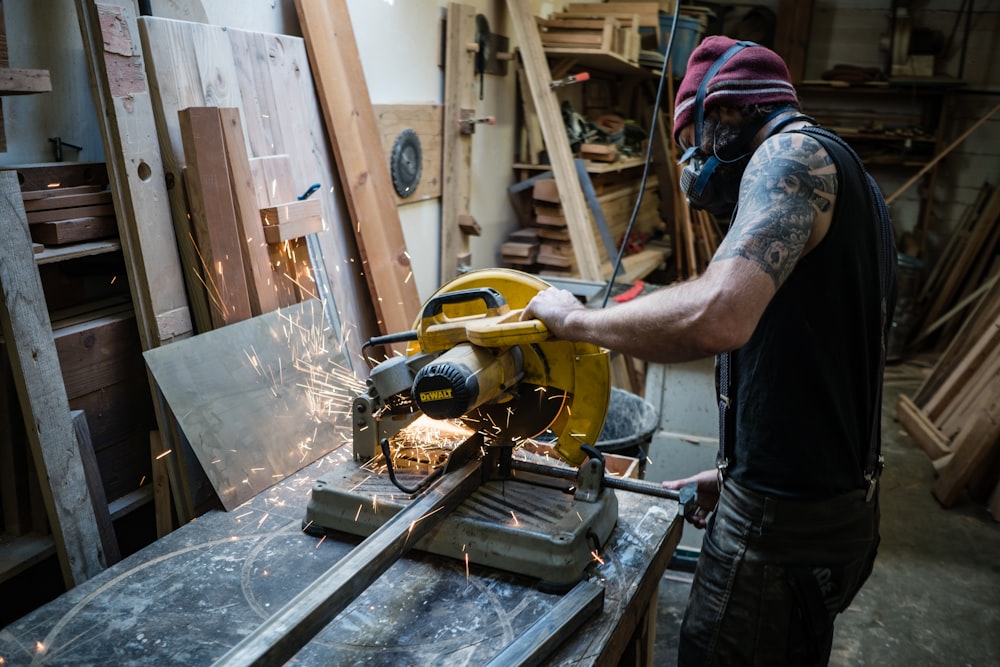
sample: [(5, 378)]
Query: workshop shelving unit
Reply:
[(616, 75)]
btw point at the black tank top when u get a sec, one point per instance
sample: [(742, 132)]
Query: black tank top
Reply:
[(805, 385)]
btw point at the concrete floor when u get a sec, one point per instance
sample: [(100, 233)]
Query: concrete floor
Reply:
[(934, 596)]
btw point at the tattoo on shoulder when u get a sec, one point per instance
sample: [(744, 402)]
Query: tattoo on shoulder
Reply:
[(788, 182)]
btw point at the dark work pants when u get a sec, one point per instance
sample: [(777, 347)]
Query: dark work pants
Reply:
[(772, 576)]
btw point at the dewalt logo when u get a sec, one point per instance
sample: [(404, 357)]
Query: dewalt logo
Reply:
[(436, 395)]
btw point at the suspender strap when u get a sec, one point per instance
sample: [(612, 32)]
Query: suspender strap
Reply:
[(886, 247), (725, 363)]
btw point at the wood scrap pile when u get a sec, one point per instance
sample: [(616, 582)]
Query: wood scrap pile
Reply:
[(544, 245), (963, 271), (58, 216), (955, 415), (609, 28)]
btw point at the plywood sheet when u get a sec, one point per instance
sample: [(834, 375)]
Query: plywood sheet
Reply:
[(268, 78)]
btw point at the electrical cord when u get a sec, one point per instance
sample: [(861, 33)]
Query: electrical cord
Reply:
[(649, 155)]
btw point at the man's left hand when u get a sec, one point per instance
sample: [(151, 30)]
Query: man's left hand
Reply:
[(554, 307)]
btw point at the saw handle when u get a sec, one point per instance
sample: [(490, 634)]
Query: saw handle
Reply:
[(490, 297)]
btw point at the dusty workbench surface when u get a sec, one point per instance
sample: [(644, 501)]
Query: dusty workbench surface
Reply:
[(194, 594)]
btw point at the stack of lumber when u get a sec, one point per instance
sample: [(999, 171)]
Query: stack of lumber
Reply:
[(616, 197), (59, 216), (521, 249), (961, 272), (600, 27), (955, 416)]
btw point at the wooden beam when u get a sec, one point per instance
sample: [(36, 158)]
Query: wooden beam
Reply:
[(263, 294), (456, 154), (28, 334), (213, 214), (289, 261), (118, 84), (533, 57), (350, 123), (292, 220), (92, 474)]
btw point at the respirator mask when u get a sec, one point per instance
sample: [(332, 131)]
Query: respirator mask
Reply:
[(712, 182)]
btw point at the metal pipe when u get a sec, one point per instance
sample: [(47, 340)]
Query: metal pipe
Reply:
[(281, 636)]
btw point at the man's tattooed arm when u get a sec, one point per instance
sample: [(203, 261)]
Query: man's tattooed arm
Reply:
[(789, 181)]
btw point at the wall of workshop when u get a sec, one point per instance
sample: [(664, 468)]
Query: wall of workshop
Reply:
[(853, 32)]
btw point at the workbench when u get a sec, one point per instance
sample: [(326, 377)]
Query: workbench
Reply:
[(189, 597)]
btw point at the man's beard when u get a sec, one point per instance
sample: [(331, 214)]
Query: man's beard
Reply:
[(723, 140)]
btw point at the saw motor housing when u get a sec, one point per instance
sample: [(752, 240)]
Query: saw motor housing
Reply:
[(470, 357)]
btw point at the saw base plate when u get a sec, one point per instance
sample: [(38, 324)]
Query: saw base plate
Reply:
[(515, 525)]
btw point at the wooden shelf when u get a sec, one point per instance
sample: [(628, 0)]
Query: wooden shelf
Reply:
[(58, 254), (24, 81), (604, 61), (17, 554), (592, 167)]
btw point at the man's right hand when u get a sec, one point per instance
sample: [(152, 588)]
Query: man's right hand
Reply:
[(707, 482)]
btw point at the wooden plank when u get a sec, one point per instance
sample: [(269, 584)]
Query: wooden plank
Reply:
[(954, 418), (59, 199), (260, 283), (14, 478), (791, 39), (31, 196), (4, 62), (118, 83), (73, 212), (20, 81), (921, 429), (427, 121), (109, 542), (292, 220), (28, 333), (350, 122), (550, 118), (289, 260), (459, 100), (161, 486), (98, 353), (971, 446), (973, 327), (87, 249), (74, 230), (47, 177), (213, 215)]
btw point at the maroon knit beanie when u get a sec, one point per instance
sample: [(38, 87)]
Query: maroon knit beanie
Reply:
[(755, 75)]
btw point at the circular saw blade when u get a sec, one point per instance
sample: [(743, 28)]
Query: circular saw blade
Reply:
[(566, 386), (405, 162)]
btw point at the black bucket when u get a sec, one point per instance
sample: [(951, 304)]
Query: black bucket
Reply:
[(629, 426)]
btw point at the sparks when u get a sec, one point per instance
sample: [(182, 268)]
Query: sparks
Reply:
[(597, 557), (320, 541), (164, 454)]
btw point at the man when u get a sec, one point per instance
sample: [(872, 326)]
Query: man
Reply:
[(796, 302)]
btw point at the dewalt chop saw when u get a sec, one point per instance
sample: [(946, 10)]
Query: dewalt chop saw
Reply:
[(471, 361)]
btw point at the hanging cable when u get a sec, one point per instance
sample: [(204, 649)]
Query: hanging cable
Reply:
[(649, 154)]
